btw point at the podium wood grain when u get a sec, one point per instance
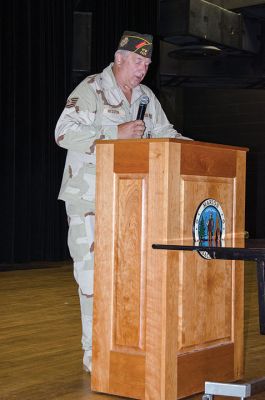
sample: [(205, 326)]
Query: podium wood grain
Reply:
[(160, 317)]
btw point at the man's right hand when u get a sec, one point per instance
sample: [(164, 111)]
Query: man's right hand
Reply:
[(131, 130)]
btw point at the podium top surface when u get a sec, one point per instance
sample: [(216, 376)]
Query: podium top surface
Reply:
[(172, 140)]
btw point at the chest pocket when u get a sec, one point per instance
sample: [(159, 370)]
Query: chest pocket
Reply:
[(112, 115)]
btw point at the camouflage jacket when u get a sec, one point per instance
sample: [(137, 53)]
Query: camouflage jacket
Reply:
[(93, 111)]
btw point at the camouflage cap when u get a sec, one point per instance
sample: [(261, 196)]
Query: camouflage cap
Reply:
[(139, 43)]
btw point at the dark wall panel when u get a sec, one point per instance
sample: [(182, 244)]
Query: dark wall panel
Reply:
[(235, 117), (110, 19)]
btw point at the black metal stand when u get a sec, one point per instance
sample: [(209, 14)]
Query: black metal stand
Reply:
[(252, 250), (261, 294)]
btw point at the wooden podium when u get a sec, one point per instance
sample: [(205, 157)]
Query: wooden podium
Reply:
[(164, 321)]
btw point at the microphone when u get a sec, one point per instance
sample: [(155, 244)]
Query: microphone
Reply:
[(142, 107)]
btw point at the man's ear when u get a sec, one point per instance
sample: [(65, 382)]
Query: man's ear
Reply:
[(118, 58)]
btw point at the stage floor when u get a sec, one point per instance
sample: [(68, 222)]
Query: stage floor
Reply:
[(40, 350)]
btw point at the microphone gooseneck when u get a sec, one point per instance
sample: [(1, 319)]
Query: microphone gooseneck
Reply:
[(142, 107)]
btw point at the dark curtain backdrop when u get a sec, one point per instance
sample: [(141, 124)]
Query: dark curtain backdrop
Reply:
[(36, 43), (35, 73), (36, 77)]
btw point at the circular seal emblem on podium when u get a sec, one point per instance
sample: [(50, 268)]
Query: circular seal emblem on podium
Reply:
[(209, 225)]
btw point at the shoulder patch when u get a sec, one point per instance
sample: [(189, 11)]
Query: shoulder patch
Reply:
[(71, 102)]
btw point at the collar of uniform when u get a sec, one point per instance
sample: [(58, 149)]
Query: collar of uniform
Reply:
[(108, 78), (109, 83)]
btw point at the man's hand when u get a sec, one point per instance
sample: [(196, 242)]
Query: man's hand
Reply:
[(131, 130)]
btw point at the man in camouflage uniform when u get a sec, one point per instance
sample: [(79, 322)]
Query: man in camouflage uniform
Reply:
[(103, 106)]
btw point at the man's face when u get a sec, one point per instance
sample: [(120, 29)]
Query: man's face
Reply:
[(134, 68)]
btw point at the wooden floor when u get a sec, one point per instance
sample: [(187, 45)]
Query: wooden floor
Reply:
[(40, 351)]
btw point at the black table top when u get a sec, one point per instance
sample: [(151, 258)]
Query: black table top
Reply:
[(233, 249)]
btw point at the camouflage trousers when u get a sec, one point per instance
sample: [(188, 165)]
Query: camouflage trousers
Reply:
[(81, 221)]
